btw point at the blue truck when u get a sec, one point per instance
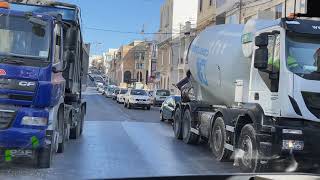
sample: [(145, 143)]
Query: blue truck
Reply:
[(43, 70)]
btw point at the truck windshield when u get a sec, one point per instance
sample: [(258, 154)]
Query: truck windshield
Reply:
[(303, 54), (22, 38)]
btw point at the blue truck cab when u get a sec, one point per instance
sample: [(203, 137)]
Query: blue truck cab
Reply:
[(43, 64)]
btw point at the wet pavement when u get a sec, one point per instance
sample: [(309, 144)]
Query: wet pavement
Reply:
[(119, 142)]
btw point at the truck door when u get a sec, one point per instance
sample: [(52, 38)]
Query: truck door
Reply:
[(264, 86)]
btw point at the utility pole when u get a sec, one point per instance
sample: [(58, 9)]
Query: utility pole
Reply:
[(240, 9)]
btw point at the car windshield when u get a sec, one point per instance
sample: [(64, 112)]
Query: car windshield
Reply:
[(305, 52), (163, 93), (138, 92), (123, 91), (21, 37)]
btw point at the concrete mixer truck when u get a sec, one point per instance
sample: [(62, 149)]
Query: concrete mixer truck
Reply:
[(253, 93)]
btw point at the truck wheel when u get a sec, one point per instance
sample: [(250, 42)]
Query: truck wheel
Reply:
[(177, 123), (188, 136), (44, 158), (61, 130), (129, 105), (218, 140), (148, 107), (75, 131), (125, 104), (249, 159)]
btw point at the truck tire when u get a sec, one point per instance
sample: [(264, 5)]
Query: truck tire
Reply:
[(249, 161), (44, 158), (148, 107), (217, 140), (188, 136), (177, 124), (75, 131), (61, 129), (129, 105)]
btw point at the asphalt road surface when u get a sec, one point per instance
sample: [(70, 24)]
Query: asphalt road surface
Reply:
[(119, 142)]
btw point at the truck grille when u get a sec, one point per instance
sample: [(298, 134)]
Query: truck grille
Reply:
[(312, 101), (16, 97), (6, 118)]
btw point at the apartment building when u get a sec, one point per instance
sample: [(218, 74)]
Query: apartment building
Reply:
[(240, 11), (206, 14), (174, 14)]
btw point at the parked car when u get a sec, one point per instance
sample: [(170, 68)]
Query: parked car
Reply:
[(167, 109), (100, 87), (137, 98), (159, 96), (109, 91), (120, 95), (114, 94)]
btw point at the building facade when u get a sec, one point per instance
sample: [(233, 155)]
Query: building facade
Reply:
[(174, 14), (206, 14), (240, 11)]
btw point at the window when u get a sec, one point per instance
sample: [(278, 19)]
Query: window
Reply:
[(278, 11), (57, 52), (139, 65), (139, 55), (200, 5), (220, 3), (138, 92), (163, 93), (210, 2)]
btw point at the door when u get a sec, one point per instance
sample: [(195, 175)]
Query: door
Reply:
[(264, 85)]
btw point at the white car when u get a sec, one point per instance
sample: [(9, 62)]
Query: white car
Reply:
[(137, 98), (120, 95), (159, 96), (100, 87)]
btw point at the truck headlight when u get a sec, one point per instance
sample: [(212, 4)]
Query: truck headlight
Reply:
[(34, 121), (292, 144)]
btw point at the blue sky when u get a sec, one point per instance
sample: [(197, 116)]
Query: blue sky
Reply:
[(119, 15)]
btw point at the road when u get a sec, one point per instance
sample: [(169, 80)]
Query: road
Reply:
[(119, 142)]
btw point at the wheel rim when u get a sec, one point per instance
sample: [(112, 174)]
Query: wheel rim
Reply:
[(247, 147), (217, 137)]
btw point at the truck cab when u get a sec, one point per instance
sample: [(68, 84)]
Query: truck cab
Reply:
[(39, 105), (286, 67)]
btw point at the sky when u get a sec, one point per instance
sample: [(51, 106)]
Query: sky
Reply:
[(117, 15)]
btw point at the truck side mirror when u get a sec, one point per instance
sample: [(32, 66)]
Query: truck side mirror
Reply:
[(261, 54), (261, 40), (261, 58), (71, 39)]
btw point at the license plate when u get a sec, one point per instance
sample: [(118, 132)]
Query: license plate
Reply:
[(21, 153), (162, 97)]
